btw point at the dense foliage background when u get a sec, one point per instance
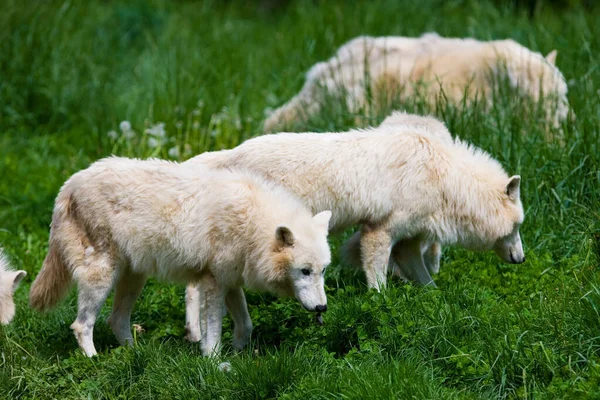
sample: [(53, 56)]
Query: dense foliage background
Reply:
[(197, 76)]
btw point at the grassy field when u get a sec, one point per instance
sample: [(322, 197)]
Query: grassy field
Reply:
[(70, 72)]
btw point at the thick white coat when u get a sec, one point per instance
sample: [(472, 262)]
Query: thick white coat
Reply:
[(427, 66), (401, 183), (9, 281), (122, 220)]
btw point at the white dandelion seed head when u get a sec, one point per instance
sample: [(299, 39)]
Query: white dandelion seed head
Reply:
[(153, 142), (125, 126), (174, 152), (130, 134), (112, 134), (157, 130), (225, 367)]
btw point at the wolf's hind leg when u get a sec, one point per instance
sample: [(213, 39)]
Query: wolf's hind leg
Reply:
[(242, 324), (94, 283), (212, 301), (192, 312), (128, 288), (407, 256)]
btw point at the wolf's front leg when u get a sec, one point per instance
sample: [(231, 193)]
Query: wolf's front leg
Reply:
[(192, 312), (242, 324), (407, 255), (375, 246), (212, 301)]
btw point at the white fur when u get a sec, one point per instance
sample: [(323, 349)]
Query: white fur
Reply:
[(122, 220), (400, 182), (9, 281), (428, 65)]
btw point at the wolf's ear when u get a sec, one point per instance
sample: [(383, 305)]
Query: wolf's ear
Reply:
[(551, 57), (513, 188), (284, 237), (16, 277), (322, 219)]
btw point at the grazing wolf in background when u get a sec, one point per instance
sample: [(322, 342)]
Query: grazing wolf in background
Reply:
[(121, 220), (9, 281), (402, 67), (401, 184)]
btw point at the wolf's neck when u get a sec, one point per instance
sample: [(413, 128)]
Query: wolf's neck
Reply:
[(470, 199)]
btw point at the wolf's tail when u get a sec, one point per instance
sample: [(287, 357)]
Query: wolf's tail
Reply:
[(54, 279)]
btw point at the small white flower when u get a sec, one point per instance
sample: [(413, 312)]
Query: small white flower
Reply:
[(125, 126), (225, 367), (153, 143), (174, 152), (200, 103), (196, 112), (179, 124), (130, 134), (196, 125), (113, 135), (157, 130), (213, 133)]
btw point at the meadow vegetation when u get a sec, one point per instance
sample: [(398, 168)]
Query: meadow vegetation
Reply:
[(189, 77)]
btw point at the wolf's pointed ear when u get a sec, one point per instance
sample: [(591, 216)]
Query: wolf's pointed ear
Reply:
[(551, 57), (513, 188), (322, 219), (284, 237), (16, 277)]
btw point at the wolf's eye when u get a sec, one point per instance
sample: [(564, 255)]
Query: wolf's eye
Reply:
[(305, 271)]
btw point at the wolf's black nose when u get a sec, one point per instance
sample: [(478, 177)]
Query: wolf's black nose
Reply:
[(321, 308)]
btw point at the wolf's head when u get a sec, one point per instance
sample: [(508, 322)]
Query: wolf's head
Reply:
[(303, 254), (497, 227), (9, 280), (509, 246)]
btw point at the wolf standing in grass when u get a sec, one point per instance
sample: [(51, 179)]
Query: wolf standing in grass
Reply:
[(122, 220), (430, 66), (401, 184), (9, 281)]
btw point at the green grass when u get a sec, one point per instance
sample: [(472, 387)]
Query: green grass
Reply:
[(70, 72)]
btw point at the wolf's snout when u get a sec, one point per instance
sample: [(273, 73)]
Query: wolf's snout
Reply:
[(321, 308), (516, 260)]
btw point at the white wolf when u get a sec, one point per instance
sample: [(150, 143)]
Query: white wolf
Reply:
[(396, 123), (9, 281), (401, 184), (428, 65), (121, 220)]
